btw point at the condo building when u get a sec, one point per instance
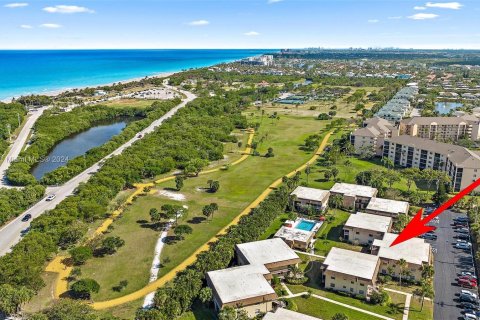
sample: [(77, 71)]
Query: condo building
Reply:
[(461, 165), (442, 128)]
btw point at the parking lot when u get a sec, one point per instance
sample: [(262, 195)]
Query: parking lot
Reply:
[(449, 262)]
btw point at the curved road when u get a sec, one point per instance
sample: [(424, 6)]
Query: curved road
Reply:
[(10, 234)]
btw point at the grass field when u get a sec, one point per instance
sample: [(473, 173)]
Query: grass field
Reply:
[(239, 185), (415, 309), (329, 234)]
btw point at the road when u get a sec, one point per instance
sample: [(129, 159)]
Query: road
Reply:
[(448, 263), (10, 234), (18, 144)]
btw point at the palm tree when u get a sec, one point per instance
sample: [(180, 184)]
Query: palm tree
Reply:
[(427, 271), (425, 291), (402, 264)]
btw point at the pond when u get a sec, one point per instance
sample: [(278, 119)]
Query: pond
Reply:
[(446, 107), (78, 144)]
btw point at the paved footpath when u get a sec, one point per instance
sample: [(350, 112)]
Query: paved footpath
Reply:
[(11, 233)]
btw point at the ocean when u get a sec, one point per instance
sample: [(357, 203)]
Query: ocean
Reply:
[(44, 71)]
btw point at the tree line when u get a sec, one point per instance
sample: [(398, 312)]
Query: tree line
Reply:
[(197, 131), (51, 128), (11, 116)]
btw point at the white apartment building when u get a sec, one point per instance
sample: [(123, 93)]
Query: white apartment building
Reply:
[(461, 164)]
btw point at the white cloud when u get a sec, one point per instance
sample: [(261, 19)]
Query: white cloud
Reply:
[(274, 1), (395, 18), (419, 8), (423, 16), (373, 21), (67, 9), (26, 26), (444, 5), (198, 23), (50, 25), (251, 34), (16, 5)]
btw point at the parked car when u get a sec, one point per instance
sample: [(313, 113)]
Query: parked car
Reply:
[(463, 230), (471, 275), (461, 218), (27, 217), (467, 291), (468, 305), (429, 236), (469, 316), (50, 197), (465, 283), (468, 298), (463, 246), (463, 236)]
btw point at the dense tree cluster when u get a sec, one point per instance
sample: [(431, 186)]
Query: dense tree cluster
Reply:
[(10, 114), (195, 132), (177, 297), (51, 128), (13, 201)]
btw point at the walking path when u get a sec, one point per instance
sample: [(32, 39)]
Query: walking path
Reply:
[(310, 254), (56, 265), (153, 286)]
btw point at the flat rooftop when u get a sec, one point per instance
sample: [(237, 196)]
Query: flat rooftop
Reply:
[(240, 283), (354, 189), (310, 193), (387, 205), (353, 263), (367, 221), (267, 251), (285, 314), (415, 250), (294, 234)]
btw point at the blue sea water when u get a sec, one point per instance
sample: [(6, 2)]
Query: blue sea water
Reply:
[(40, 71)]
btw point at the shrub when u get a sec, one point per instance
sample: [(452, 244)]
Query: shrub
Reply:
[(83, 289)]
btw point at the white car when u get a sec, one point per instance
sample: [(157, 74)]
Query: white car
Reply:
[(50, 197), (469, 316)]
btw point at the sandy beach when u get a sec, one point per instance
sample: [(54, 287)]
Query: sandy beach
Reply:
[(54, 93)]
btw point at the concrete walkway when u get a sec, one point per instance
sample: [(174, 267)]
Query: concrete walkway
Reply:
[(153, 286)]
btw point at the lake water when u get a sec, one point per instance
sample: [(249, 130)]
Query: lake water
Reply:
[(77, 145), (446, 107)]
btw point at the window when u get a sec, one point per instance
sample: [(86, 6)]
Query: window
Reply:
[(344, 287), (357, 232), (370, 235), (360, 291), (351, 282), (332, 285), (362, 285), (333, 278), (351, 289)]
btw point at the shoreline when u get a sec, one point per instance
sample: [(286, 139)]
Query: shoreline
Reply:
[(53, 93)]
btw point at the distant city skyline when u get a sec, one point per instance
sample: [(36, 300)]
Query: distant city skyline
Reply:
[(223, 24)]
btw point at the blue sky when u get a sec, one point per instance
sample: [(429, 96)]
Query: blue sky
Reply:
[(43, 24)]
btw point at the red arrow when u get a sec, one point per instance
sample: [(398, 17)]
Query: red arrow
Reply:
[(417, 226)]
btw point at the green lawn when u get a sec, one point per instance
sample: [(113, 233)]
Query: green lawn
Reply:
[(417, 313), (397, 299), (330, 232), (326, 310), (346, 173), (239, 185)]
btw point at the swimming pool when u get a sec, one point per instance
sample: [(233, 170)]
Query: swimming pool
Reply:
[(305, 225)]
